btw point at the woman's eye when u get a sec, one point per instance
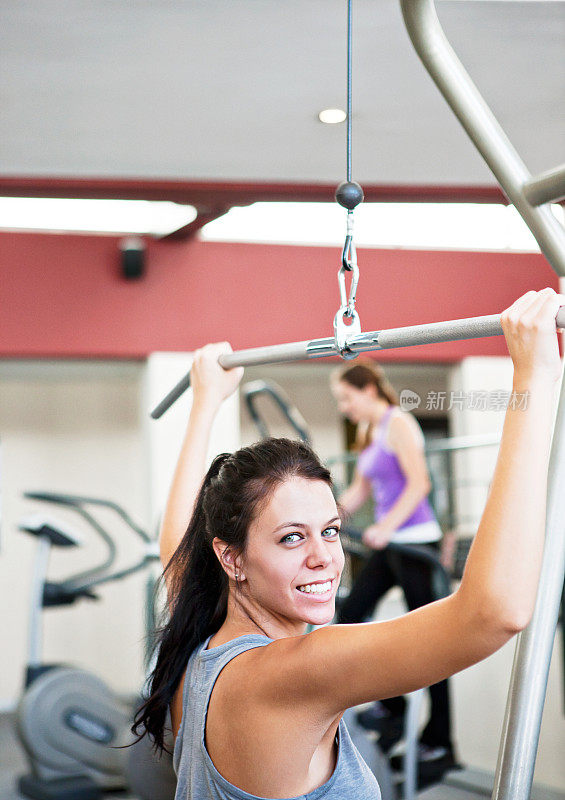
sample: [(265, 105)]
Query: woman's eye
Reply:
[(331, 532), (290, 538)]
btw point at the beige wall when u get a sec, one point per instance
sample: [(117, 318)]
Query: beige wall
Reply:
[(70, 427), (474, 383), (84, 428), (163, 437)]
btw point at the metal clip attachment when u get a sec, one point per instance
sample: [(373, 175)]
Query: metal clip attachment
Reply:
[(342, 330), (348, 264)]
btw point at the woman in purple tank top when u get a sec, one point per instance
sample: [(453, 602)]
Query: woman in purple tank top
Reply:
[(391, 467)]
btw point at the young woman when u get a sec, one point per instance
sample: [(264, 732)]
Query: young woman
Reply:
[(256, 704), (392, 468)]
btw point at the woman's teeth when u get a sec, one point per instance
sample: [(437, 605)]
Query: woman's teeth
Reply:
[(315, 588)]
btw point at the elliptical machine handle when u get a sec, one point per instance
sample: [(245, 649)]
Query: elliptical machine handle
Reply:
[(255, 388), (57, 594), (77, 501)]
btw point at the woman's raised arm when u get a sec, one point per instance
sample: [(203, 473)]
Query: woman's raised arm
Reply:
[(211, 384), (345, 665)]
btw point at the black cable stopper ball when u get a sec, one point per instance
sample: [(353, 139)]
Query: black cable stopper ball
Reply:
[(349, 194)]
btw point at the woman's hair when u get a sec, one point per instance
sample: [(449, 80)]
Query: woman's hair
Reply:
[(235, 489), (362, 374)]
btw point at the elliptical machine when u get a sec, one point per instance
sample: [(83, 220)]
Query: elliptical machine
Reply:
[(69, 722)]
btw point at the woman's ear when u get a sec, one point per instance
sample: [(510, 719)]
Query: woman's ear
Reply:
[(229, 561)]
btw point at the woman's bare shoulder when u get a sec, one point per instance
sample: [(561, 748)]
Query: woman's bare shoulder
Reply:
[(404, 426)]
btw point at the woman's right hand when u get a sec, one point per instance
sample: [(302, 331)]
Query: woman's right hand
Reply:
[(529, 328), (210, 382)]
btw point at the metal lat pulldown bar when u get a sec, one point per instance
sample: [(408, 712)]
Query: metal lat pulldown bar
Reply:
[(430, 333)]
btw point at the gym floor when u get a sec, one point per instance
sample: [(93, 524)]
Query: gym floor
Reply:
[(12, 764)]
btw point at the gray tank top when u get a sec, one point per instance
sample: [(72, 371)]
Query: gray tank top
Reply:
[(198, 778)]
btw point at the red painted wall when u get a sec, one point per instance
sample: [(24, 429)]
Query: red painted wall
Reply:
[(63, 295)]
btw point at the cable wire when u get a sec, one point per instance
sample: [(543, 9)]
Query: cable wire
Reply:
[(349, 82)]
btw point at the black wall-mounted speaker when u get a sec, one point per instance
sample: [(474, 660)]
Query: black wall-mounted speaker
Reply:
[(132, 258)]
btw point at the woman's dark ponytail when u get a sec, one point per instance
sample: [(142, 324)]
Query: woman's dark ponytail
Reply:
[(198, 590), (233, 490)]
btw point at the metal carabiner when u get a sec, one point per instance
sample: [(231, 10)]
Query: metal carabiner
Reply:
[(348, 264), (343, 332), (346, 252), (354, 269)]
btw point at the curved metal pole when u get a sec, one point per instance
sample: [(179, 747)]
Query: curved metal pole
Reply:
[(292, 415), (548, 187), (79, 499), (108, 540), (483, 129), (101, 572)]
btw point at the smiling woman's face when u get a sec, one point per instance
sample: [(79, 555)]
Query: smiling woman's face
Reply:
[(293, 558)]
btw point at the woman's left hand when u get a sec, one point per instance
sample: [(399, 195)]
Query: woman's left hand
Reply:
[(377, 536), (529, 328)]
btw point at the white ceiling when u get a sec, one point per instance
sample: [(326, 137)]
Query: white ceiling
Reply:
[(229, 90)]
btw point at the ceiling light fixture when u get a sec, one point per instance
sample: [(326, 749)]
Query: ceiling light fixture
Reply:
[(145, 217), (331, 116), (455, 226)]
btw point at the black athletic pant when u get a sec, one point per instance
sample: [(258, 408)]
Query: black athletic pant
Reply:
[(382, 571)]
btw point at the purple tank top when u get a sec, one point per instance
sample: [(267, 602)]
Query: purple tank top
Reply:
[(381, 467)]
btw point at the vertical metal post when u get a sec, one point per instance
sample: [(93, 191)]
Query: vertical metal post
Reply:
[(411, 723), (479, 122), (562, 613), (528, 684), (517, 755), (35, 633)]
